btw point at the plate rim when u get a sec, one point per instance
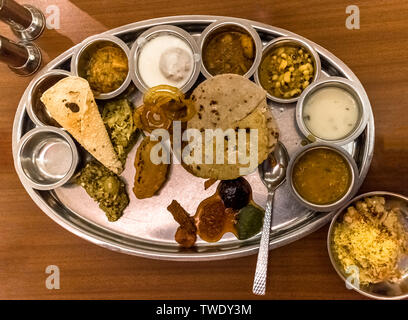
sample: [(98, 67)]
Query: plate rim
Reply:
[(318, 221)]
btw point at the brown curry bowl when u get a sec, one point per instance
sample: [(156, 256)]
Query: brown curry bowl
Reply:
[(82, 55), (228, 25), (352, 189)]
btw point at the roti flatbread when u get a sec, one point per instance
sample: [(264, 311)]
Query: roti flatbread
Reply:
[(271, 125), (232, 102), (227, 170), (224, 99), (71, 103)]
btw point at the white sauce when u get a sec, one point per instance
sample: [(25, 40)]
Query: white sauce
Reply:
[(331, 113), (165, 59)]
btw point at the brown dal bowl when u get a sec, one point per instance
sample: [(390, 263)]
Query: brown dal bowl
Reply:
[(83, 53), (230, 25), (352, 189)]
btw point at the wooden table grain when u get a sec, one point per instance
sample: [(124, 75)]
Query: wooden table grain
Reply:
[(30, 241)]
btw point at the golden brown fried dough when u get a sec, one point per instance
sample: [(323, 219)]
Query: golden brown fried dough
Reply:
[(149, 177)]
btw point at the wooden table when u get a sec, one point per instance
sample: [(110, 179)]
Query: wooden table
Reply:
[(30, 241)]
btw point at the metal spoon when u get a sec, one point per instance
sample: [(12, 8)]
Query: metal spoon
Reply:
[(272, 172)]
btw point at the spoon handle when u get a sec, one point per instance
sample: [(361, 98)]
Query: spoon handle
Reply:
[(262, 263)]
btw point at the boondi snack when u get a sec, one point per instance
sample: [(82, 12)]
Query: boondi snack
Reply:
[(372, 238)]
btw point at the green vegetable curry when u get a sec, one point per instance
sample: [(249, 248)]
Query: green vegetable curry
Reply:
[(118, 118), (104, 187)]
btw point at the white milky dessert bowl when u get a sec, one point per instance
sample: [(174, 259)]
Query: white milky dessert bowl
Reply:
[(332, 110)]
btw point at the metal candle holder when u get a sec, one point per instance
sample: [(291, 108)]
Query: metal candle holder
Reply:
[(26, 21), (23, 58)]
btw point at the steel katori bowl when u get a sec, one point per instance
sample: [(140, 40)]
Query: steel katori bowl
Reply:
[(46, 158), (352, 189), (354, 89), (82, 56), (231, 24), (152, 33), (36, 110), (282, 41), (384, 290)]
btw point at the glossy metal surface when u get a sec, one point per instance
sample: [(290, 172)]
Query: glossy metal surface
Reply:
[(33, 62), (273, 173), (82, 55), (281, 41), (11, 53), (355, 89), (14, 14), (384, 290), (146, 228), (46, 158), (273, 170), (35, 108), (36, 27), (26, 21)]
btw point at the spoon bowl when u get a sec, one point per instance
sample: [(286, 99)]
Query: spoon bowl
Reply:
[(272, 172)]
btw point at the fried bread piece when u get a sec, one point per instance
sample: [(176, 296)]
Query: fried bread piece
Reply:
[(149, 177)]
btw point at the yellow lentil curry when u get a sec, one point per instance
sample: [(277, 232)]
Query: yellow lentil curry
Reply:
[(229, 52), (321, 176), (107, 69), (286, 71)]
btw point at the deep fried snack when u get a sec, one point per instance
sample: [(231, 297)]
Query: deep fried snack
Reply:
[(137, 117), (153, 117), (149, 177), (186, 234), (184, 238), (71, 103), (372, 236)]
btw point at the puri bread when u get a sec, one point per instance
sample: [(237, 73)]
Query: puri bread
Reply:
[(71, 103)]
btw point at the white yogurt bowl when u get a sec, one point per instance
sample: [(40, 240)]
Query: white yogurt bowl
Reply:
[(151, 34)]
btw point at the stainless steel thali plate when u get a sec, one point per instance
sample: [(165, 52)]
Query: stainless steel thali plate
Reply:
[(146, 228)]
